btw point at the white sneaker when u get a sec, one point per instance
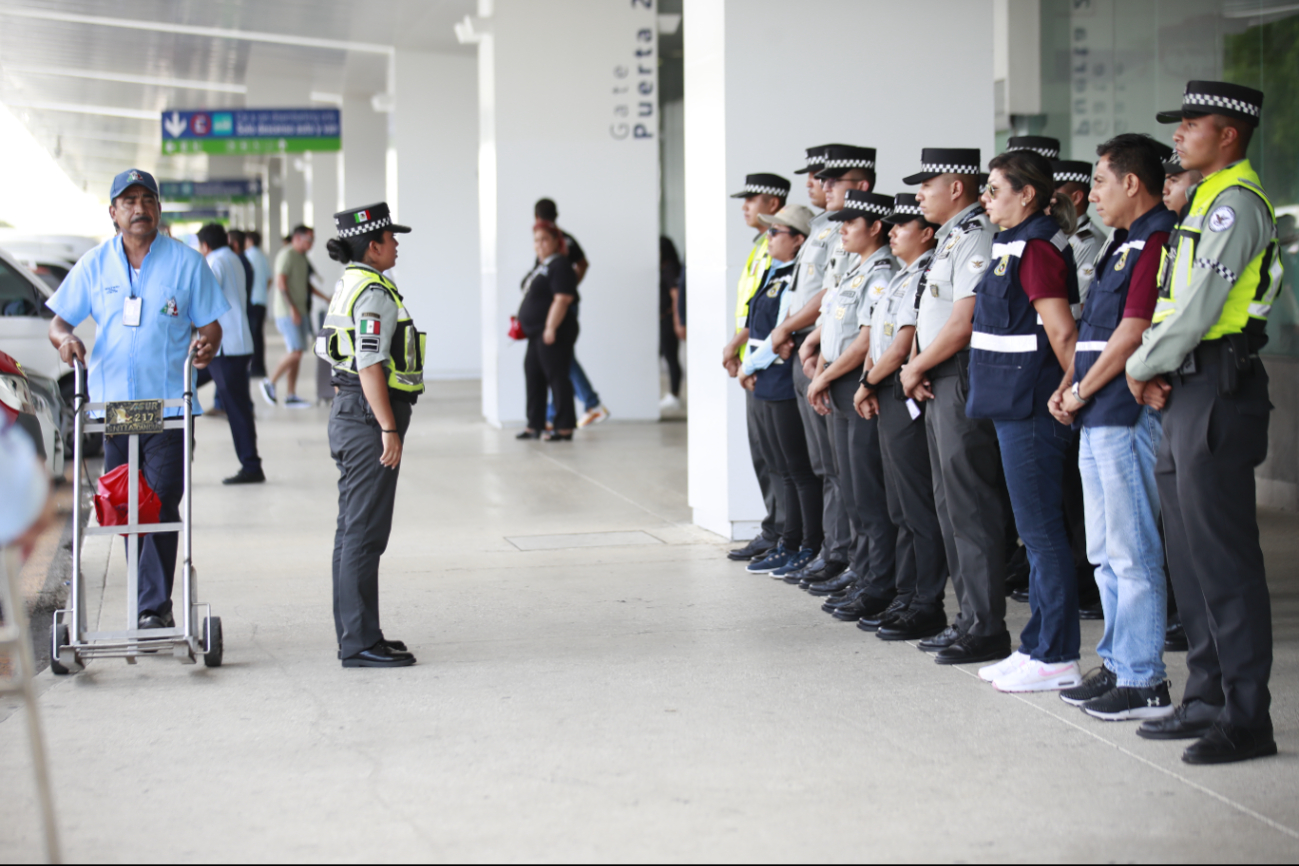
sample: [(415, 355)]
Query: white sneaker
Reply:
[(268, 391), (670, 403), (1003, 667), (293, 401), (1035, 676), (593, 416)]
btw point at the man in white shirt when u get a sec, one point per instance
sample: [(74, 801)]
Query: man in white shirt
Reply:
[(229, 369)]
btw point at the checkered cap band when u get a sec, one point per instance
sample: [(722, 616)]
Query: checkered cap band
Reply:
[(815, 160), (1048, 152), (365, 227), (754, 189), (907, 209), (1072, 177), (868, 207), (947, 168), (850, 163), (1207, 100)]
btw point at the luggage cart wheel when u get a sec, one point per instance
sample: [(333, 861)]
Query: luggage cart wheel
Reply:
[(212, 638), (60, 638)]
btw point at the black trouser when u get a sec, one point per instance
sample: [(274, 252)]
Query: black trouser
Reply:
[(773, 497), (785, 444), (546, 368), (670, 349), (230, 372), (908, 481), (968, 496), (162, 460), (856, 443), (1205, 473), (256, 320), (816, 428), (367, 491)]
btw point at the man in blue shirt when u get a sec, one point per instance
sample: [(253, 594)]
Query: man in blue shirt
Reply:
[(145, 292), (229, 369)]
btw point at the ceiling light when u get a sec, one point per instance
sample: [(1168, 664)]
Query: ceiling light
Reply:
[(105, 110), (156, 81)]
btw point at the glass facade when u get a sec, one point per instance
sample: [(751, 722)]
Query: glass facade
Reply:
[(1109, 65)]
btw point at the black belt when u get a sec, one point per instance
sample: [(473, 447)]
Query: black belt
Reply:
[(953, 366), (1230, 359)]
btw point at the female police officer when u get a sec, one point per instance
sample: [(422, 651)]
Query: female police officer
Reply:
[(378, 359)]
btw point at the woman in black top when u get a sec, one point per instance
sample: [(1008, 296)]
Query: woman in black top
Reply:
[(550, 324), (669, 345)]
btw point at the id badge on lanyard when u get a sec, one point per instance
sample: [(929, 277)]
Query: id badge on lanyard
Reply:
[(131, 304)]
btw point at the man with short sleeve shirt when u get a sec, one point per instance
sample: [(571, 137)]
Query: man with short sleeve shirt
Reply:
[(963, 450), (145, 292)]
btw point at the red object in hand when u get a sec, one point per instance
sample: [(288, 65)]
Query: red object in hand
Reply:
[(516, 330), (112, 499)]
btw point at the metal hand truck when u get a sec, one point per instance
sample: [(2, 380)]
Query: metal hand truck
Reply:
[(73, 643)]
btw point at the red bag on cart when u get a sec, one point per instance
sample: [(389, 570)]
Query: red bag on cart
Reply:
[(112, 499)]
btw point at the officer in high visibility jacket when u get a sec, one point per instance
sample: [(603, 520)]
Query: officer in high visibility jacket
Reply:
[(377, 357), (1200, 358)]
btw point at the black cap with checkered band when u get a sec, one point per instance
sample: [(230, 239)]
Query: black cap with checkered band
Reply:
[(815, 159), (1217, 97), (1043, 144), (1071, 171), (843, 158), (935, 161), (905, 209), (858, 203), (763, 184), (363, 220)]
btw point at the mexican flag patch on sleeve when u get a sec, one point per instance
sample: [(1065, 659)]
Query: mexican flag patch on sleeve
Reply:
[(369, 327)]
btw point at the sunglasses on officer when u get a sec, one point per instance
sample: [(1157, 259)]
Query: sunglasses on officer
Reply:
[(776, 231)]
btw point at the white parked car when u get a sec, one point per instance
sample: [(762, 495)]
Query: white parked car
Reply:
[(34, 404)]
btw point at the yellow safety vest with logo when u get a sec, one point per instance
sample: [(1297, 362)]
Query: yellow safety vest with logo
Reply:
[(1251, 296), (337, 342), (755, 268)]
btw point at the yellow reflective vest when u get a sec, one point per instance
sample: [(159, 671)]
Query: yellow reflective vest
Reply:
[(755, 269), (337, 341)]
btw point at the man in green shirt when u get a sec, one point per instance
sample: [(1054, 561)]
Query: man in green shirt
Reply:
[(291, 306)]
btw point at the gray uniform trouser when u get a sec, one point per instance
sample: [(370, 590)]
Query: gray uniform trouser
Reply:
[(366, 492), (856, 443), (1205, 473), (908, 481), (773, 524), (838, 535), (967, 479)]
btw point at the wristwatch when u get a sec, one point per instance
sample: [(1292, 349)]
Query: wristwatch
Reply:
[(1076, 394)]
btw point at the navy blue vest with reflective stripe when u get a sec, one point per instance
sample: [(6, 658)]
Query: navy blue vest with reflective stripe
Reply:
[(1113, 405), (1013, 370), (777, 381)]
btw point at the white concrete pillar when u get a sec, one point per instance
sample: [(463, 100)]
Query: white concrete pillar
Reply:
[(568, 110), (925, 69), (436, 139)]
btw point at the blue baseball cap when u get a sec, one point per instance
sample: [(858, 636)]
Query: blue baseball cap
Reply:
[(132, 177)]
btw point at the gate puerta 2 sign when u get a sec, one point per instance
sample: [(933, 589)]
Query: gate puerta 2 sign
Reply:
[(255, 130)]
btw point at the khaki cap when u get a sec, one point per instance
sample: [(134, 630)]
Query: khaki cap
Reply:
[(795, 216)]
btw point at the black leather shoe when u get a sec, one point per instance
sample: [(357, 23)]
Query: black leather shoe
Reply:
[(755, 547), (150, 620), (848, 596), (1020, 595), (811, 568), (826, 573), (1225, 744), (529, 434), (940, 641), (914, 624), (1189, 721), (379, 656), (1017, 569), (968, 649), (871, 622), (1092, 612), (395, 645), (1175, 638), (864, 605), (846, 579), (242, 477)]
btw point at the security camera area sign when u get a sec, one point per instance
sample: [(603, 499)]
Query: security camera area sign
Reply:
[(240, 131)]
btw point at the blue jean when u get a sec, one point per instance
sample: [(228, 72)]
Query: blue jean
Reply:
[(1122, 503), (581, 388), (1033, 452)]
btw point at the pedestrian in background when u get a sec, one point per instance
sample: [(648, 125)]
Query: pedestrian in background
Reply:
[(550, 323), (257, 300), (669, 344), (292, 307)]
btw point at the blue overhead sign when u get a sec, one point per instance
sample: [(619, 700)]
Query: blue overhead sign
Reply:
[(255, 130), (237, 189)]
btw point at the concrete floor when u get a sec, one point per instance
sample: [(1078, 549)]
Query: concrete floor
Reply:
[(643, 699)]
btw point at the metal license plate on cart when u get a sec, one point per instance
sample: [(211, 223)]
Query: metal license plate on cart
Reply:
[(132, 416)]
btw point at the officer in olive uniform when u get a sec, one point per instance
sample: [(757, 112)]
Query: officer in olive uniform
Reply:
[(1073, 179), (1200, 356), (854, 439), (377, 357)]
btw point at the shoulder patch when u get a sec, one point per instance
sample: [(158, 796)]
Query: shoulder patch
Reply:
[(1222, 218)]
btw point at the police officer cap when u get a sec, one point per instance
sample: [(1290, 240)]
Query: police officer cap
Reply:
[(905, 209), (863, 204), (1043, 144), (363, 220), (132, 177), (843, 158), (1172, 167), (1165, 152), (935, 161), (1217, 97), (815, 160), (1071, 171), (763, 184)]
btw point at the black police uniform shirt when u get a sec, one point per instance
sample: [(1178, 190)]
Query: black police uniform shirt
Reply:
[(552, 277)]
